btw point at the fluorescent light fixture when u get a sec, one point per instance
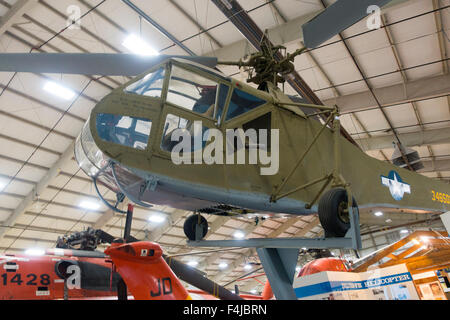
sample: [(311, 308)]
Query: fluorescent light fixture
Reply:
[(35, 252), (138, 46), (59, 90), (239, 235), (388, 220), (247, 266), (89, 205), (378, 213), (157, 218), (404, 231), (223, 265), (192, 263)]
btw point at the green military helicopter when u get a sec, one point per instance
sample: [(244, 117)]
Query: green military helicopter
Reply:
[(183, 134)]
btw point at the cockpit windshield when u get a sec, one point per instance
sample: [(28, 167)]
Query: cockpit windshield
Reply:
[(193, 92), (151, 85)]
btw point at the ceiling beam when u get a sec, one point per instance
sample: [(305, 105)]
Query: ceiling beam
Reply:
[(410, 139), (441, 38), (24, 205), (15, 13), (281, 34), (417, 90), (436, 165), (158, 27)]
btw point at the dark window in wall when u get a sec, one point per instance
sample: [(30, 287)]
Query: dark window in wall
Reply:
[(262, 122)]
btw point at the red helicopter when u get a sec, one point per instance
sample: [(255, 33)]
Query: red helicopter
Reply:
[(127, 269)]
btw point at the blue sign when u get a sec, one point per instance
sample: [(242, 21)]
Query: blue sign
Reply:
[(325, 287)]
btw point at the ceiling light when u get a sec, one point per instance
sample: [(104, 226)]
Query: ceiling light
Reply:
[(157, 218), (223, 265), (404, 231), (378, 213), (138, 46), (192, 263), (239, 235), (35, 252), (388, 220), (59, 90), (89, 205), (247, 267)]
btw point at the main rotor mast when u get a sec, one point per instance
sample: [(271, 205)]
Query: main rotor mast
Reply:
[(266, 65)]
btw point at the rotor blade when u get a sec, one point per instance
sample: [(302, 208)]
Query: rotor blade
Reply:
[(196, 278), (104, 64), (336, 18), (74, 253)]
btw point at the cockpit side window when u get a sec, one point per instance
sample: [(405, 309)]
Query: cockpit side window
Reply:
[(195, 133), (127, 131), (242, 102), (151, 85), (192, 92)]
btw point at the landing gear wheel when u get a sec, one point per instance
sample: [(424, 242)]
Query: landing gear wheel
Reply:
[(190, 225), (333, 214)]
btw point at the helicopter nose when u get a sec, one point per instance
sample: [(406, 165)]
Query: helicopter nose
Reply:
[(89, 157)]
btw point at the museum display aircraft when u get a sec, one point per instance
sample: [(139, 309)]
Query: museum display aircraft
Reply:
[(184, 135)]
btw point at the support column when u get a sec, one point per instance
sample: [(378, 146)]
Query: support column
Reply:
[(279, 265)]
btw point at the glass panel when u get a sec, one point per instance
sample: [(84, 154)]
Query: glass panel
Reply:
[(150, 86), (176, 123), (127, 131), (242, 102), (221, 99), (192, 91)]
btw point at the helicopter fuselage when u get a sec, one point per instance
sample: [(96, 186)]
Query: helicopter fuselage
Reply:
[(129, 141)]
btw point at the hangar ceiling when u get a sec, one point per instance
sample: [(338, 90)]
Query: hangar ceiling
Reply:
[(386, 82)]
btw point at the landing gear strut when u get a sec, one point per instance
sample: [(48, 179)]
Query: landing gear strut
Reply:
[(195, 227)]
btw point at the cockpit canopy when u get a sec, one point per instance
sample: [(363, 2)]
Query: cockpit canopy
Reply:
[(178, 92), (201, 93)]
